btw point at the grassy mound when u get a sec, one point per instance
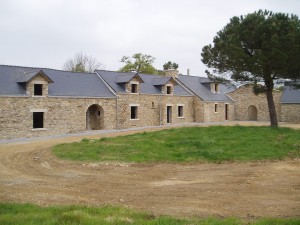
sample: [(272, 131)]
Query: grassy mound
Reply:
[(191, 144)]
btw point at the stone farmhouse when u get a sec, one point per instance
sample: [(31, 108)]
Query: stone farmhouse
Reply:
[(40, 102)]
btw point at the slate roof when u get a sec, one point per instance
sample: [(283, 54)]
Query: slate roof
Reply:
[(201, 87), (290, 95), (161, 80), (124, 78), (64, 83), (110, 77)]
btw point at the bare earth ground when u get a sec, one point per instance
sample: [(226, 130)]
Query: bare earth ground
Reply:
[(30, 173)]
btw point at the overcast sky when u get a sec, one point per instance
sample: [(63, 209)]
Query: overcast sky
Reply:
[(45, 33)]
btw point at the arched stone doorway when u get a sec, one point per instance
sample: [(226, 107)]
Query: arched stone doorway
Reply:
[(95, 117), (252, 113)]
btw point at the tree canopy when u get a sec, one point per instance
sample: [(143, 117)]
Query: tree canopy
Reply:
[(260, 48), (170, 65), (82, 63), (138, 63)]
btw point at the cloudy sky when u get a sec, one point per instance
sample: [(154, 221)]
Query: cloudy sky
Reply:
[(45, 33)]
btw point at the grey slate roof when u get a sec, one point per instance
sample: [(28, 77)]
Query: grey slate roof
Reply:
[(290, 95), (147, 87), (64, 83), (26, 77), (161, 81), (124, 78), (200, 86)]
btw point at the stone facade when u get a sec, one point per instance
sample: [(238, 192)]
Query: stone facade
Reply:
[(39, 114), (152, 110), (290, 113), (61, 115), (248, 106)]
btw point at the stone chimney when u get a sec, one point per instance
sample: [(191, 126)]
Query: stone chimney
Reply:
[(171, 73)]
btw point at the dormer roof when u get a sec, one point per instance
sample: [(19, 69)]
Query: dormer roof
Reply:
[(125, 78), (28, 76), (161, 81)]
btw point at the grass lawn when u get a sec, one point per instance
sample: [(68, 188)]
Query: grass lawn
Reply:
[(192, 144), (27, 214)]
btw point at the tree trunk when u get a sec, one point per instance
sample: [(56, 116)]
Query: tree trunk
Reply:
[(271, 105)]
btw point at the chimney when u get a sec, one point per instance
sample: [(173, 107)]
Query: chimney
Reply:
[(171, 73), (188, 72)]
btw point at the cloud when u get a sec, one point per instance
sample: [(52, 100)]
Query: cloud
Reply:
[(47, 33)]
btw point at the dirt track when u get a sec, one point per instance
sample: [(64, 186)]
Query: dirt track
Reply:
[(30, 173)]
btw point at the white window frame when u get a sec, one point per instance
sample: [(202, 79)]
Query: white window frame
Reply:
[(170, 86), (39, 110), (180, 105), (137, 113), (43, 93), (136, 83)]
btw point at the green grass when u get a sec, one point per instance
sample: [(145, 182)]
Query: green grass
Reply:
[(28, 214), (216, 143)]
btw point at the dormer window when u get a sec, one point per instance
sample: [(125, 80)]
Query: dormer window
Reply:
[(169, 90), (134, 88), (38, 89), (216, 88)]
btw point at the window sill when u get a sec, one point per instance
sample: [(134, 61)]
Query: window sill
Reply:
[(38, 129), (181, 117), (134, 93), (134, 119), (38, 96)]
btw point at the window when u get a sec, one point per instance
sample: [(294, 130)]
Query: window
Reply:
[(38, 120), (133, 88), (153, 105), (38, 89), (216, 88), (216, 108), (134, 112), (180, 111), (169, 90)]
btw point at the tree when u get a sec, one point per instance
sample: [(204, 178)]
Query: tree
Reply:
[(141, 64), (82, 63), (260, 48), (170, 65)]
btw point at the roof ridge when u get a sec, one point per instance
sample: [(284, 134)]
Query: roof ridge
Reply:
[(44, 68), (184, 75)]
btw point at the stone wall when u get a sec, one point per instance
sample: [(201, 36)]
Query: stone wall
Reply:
[(205, 111), (215, 111), (244, 98), (152, 109), (198, 110), (61, 115), (290, 113)]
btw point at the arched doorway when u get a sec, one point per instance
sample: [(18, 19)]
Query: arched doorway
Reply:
[(95, 118), (252, 113)]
